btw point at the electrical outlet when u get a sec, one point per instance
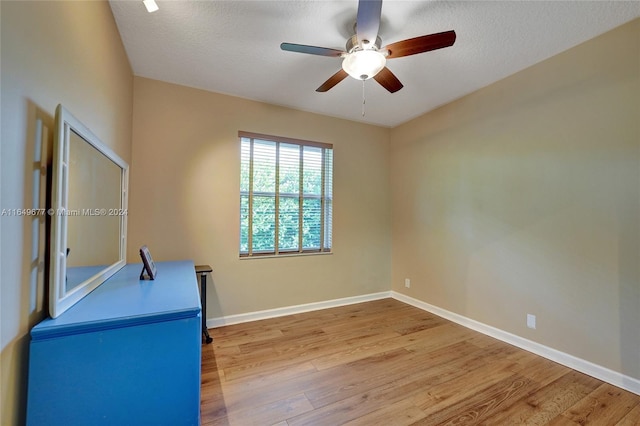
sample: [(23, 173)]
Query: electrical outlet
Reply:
[(407, 283), (531, 321)]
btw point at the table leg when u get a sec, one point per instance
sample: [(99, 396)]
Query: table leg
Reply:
[(203, 301)]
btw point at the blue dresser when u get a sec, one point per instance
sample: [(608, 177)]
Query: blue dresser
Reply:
[(126, 354)]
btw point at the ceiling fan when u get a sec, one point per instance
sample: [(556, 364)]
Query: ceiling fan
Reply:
[(364, 58)]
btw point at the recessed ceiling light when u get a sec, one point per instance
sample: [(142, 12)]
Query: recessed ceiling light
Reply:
[(150, 5)]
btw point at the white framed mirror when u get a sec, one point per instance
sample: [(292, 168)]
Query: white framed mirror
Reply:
[(88, 214)]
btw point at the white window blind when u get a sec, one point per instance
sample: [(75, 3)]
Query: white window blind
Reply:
[(286, 195)]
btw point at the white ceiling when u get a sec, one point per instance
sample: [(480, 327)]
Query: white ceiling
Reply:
[(233, 47)]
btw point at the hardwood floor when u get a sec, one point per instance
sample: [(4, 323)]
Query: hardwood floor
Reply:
[(388, 363)]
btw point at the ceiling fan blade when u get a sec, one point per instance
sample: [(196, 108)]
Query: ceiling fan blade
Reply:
[(368, 21), (332, 81), (388, 80), (420, 44), (311, 50)]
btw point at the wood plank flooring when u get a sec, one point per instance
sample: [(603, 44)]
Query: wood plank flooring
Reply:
[(388, 363)]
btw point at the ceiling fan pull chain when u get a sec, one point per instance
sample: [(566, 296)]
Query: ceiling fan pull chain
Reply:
[(363, 99)]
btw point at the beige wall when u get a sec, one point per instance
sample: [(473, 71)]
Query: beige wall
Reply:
[(184, 198), (52, 52), (524, 197)]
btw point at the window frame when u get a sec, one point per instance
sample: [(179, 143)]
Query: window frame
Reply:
[(326, 211)]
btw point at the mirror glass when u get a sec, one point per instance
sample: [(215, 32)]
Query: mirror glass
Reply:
[(89, 221), (94, 206)]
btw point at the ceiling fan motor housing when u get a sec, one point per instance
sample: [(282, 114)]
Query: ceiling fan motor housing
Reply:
[(353, 45)]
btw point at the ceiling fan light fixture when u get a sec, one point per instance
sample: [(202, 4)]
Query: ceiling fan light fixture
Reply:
[(364, 64), (150, 5)]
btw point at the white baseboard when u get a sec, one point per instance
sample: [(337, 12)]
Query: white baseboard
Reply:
[(297, 309), (602, 373)]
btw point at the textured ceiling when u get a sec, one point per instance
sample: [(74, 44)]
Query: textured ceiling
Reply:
[(233, 47)]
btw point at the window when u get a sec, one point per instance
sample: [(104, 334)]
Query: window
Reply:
[(286, 196)]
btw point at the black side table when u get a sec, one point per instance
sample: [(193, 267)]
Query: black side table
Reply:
[(203, 270)]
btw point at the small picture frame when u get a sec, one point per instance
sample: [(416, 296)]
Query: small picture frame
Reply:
[(147, 264)]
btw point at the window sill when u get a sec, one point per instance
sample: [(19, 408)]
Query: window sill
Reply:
[(277, 256)]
